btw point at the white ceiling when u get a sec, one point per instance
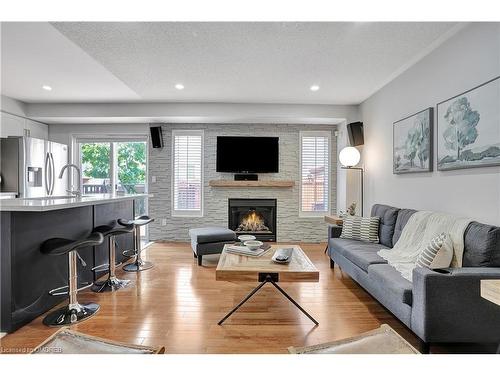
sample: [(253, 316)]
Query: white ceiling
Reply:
[(92, 62), (36, 54)]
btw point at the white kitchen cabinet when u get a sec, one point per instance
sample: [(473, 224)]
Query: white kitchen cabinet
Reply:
[(12, 125), (37, 129)]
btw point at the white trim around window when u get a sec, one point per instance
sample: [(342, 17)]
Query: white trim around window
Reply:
[(111, 138), (315, 172), (187, 173)]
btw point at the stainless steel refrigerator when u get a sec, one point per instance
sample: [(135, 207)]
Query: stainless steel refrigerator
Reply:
[(30, 167)]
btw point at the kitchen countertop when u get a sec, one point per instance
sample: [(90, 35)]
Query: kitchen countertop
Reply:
[(58, 203), (7, 195)]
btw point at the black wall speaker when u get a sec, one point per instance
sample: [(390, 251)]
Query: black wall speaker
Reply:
[(356, 134), (156, 137)]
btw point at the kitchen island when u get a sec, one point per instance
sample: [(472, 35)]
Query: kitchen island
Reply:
[(26, 275)]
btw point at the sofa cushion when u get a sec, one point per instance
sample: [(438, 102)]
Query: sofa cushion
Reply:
[(211, 234), (362, 254), (392, 281), (481, 246), (437, 254), (361, 228), (388, 216), (403, 217)]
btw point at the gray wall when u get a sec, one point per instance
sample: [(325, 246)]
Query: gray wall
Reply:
[(469, 58), (64, 133), (12, 106), (291, 227)]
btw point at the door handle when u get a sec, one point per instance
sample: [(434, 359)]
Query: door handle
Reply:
[(47, 188), (53, 173), (49, 173)]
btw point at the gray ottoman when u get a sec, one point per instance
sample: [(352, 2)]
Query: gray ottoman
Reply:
[(209, 240)]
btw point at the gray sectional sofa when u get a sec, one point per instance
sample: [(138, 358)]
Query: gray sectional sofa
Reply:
[(437, 307)]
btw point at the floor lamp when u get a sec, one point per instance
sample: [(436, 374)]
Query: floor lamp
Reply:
[(349, 157)]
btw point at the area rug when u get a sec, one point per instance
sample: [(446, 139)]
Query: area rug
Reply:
[(66, 341), (383, 340)]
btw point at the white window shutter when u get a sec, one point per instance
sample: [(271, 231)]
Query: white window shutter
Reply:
[(187, 164), (315, 173)]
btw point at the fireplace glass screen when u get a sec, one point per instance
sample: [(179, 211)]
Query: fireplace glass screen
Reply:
[(253, 216)]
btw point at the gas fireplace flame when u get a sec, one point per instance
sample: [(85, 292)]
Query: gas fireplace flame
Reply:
[(253, 219), (252, 222)]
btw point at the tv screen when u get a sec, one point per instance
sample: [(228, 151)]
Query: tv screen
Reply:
[(247, 154)]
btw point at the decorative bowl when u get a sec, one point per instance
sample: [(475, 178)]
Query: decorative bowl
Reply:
[(253, 245), (246, 237)]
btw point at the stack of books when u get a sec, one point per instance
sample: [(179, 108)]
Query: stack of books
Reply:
[(243, 250)]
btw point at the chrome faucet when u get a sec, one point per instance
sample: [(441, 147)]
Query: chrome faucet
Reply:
[(78, 192)]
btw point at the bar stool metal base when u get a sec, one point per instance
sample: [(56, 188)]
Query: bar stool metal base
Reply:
[(138, 266), (109, 285), (129, 253), (71, 314)]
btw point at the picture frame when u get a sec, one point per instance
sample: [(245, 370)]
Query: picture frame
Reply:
[(468, 128), (412, 143)]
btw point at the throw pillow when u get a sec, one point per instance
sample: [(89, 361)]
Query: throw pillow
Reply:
[(437, 254), (361, 228)]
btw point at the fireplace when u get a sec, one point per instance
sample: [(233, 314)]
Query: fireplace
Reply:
[(253, 216)]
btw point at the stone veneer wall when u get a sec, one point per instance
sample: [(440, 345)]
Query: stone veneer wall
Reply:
[(290, 227)]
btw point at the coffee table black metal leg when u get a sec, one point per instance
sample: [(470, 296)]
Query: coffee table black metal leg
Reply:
[(293, 301), (243, 301), (268, 279)]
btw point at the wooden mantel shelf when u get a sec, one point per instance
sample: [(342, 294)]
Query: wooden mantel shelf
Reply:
[(258, 184)]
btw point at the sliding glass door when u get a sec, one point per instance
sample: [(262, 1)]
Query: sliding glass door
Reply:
[(114, 165)]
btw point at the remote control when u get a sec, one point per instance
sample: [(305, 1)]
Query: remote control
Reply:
[(283, 255)]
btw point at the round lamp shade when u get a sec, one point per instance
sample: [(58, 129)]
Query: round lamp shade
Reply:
[(349, 156)]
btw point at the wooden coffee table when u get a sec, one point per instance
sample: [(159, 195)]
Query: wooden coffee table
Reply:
[(233, 267), (490, 290)]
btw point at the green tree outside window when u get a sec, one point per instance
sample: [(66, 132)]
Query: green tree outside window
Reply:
[(131, 160)]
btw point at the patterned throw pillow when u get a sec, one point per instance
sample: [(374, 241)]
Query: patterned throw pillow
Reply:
[(437, 254), (360, 228)]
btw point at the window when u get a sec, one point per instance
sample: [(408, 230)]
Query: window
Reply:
[(314, 173), (187, 165)]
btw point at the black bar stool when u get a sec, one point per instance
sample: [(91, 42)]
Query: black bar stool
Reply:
[(138, 264), (112, 283), (74, 312)]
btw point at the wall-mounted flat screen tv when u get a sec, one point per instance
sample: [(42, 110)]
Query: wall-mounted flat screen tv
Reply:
[(248, 154)]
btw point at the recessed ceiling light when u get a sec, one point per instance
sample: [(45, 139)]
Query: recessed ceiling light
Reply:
[(47, 88), (314, 88), (179, 86)]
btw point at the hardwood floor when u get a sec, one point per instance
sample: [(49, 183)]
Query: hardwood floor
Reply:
[(177, 304)]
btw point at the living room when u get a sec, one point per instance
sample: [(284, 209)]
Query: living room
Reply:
[(193, 186)]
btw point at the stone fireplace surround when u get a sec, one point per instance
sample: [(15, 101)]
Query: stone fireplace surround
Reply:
[(290, 226)]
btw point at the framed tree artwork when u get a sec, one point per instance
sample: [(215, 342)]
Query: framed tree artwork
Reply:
[(469, 128), (412, 143)]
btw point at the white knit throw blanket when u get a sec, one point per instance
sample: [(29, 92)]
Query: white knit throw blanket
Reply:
[(421, 228)]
